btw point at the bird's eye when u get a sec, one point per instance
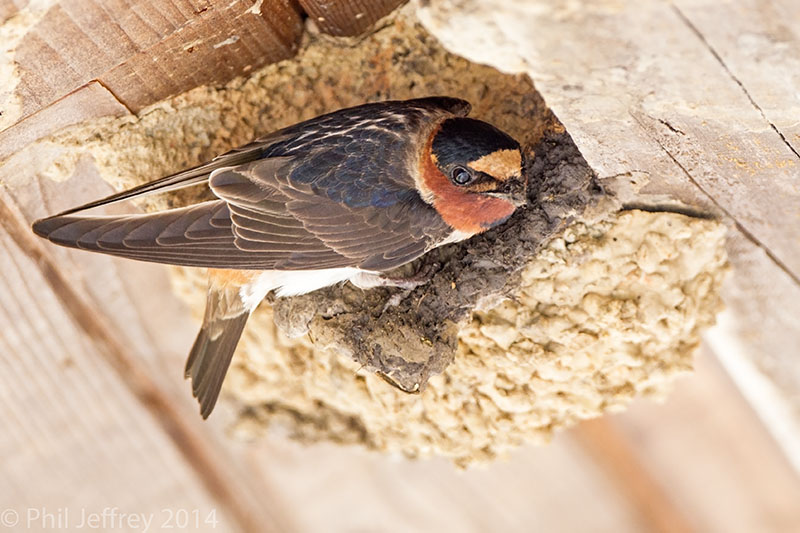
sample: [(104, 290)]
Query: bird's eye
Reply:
[(461, 176)]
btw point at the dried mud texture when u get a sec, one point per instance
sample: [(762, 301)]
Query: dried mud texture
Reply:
[(607, 311), (410, 336), (416, 338), (515, 340)]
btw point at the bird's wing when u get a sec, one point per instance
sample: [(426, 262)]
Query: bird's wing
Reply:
[(201, 235), (187, 178), (330, 192), (295, 136), (396, 227), (349, 182)]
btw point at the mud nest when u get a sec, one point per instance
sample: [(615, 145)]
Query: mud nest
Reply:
[(568, 310)]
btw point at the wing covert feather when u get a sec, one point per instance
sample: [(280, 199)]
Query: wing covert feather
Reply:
[(330, 192)]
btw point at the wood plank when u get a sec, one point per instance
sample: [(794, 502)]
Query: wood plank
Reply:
[(73, 439), (220, 44), (713, 456), (125, 308), (759, 46), (89, 102), (537, 489), (147, 50), (612, 452), (663, 116), (758, 341), (347, 17)]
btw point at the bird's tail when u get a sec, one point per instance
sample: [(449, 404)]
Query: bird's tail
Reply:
[(211, 354)]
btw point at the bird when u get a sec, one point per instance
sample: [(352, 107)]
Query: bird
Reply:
[(345, 196)]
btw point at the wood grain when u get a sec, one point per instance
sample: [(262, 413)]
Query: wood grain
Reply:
[(623, 466), (712, 455), (122, 313), (758, 48), (67, 425), (672, 108), (88, 102), (150, 49), (347, 17), (536, 489), (107, 343)]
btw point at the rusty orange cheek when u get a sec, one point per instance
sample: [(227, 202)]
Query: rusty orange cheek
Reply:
[(463, 211), (473, 214)]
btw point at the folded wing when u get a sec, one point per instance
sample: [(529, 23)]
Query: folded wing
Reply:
[(331, 192)]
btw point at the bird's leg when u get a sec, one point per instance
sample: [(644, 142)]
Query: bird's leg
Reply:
[(368, 280)]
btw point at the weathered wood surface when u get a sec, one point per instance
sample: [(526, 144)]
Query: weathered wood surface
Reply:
[(347, 17), (112, 314), (678, 103), (143, 51), (72, 437), (76, 434), (712, 455), (89, 102), (703, 450), (756, 42), (146, 50)]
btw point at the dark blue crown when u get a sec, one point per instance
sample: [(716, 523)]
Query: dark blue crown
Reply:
[(462, 140)]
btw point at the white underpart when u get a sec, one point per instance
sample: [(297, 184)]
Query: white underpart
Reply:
[(294, 282), (456, 236)]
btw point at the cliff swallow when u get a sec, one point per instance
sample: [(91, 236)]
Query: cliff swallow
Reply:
[(344, 196)]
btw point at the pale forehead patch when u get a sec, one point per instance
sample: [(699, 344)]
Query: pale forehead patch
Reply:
[(502, 164)]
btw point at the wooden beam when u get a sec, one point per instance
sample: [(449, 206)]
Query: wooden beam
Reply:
[(217, 480), (758, 47), (149, 50), (602, 441), (672, 107), (347, 17), (89, 102)]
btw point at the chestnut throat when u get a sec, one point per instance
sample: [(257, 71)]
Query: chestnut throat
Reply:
[(463, 211)]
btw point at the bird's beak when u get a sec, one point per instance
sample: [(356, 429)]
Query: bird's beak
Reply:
[(514, 190)]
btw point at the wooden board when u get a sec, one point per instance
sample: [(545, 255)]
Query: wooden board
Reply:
[(712, 457), (757, 46), (89, 102), (80, 430), (145, 51), (347, 17), (74, 440), (113, 316), (672, 107)]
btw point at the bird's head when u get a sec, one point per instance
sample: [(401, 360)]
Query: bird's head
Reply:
[(471, 172)]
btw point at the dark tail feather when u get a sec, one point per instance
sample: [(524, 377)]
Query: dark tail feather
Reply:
[(211, 355)]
